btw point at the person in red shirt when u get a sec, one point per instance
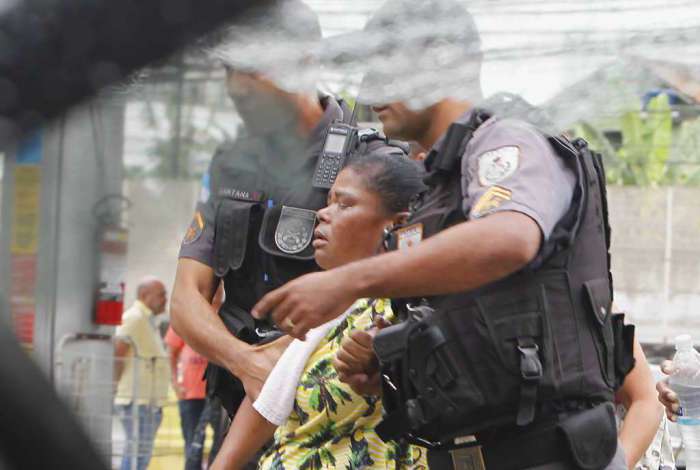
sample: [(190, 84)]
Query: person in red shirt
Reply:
[(188, 368)]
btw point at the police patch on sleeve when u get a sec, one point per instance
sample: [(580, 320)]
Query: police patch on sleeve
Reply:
[(295, 229), (194, 231), (491, 200), (497, 165)]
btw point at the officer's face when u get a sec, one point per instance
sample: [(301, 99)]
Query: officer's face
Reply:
[(351, 226), (401, 122), (262, 105)]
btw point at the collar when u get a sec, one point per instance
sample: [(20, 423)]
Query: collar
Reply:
[(314, 143), (463, 119), (440, 142), (331, 112), (143, 308)]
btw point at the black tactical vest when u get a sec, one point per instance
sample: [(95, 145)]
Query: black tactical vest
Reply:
[(518, 351), (264, 226)]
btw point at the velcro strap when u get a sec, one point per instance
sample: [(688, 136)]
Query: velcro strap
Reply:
[(531, 374)]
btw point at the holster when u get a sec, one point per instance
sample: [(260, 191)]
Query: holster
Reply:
[(220, 382), (624, 348)]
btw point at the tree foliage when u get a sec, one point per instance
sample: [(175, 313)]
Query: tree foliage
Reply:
[(652, 152)]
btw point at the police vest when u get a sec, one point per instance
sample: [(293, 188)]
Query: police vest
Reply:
[(262, 237), (519, 350)]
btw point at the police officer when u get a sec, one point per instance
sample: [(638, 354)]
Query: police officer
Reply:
[(510, 247), (254, 222)]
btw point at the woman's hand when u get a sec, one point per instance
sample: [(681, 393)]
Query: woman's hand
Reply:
[(356, 362)]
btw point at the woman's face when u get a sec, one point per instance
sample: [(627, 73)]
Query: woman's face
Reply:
[(352, 225)]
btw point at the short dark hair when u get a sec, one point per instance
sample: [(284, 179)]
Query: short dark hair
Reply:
[(394, 178)]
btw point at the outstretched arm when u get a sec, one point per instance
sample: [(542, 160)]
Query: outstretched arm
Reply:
[(195, 320), (463, 257)]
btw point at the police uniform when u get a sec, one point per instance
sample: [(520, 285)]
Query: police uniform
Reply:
[(528, 364), (254, 225)]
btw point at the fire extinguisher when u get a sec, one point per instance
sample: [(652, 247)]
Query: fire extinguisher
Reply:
[(112, 245)]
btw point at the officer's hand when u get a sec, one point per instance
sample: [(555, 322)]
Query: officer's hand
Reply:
[(668, 397), (307, 302), (260, 360)]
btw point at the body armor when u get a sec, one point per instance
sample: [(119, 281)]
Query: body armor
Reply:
[(528, 349), (264, 226)]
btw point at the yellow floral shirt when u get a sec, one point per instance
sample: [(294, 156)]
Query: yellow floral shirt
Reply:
[(331, 426)]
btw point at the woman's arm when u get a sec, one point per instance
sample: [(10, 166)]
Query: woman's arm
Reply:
[(249, 431), (638, 395)]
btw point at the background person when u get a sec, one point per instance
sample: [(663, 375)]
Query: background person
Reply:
[(141, 372), (187, 367)]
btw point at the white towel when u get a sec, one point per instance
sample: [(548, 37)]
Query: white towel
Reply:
[(276, 398)]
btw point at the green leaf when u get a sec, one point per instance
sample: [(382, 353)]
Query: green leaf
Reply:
[(314, 399)]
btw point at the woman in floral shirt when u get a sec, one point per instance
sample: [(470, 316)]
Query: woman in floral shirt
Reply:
[(330, 425)]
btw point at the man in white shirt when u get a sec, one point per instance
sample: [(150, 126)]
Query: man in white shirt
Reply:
[(141, 372)]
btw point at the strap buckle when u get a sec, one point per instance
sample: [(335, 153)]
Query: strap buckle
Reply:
[(530, 365)]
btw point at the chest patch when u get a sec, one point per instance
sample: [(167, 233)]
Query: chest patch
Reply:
[(409, 236), (497, 165), (491, 200), (295, 229)]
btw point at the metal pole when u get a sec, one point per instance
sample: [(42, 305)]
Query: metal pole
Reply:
[(136, 361), (668, 252), (176, 167)]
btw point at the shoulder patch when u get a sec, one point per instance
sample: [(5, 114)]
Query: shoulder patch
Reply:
[(497, 165), (492, 199), (194, 231)]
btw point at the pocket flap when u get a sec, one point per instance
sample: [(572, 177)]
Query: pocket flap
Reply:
[(600, 298), (231, 233), (591, 436)]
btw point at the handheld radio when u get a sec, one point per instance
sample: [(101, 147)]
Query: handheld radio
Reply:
[(340, 138)]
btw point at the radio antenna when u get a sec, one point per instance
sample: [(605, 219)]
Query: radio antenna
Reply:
[(353, 117)]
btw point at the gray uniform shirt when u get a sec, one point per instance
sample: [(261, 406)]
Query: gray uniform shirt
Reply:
[(509, 166), (198, 242)]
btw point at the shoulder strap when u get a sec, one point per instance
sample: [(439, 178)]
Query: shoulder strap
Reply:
[(456, 141)]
